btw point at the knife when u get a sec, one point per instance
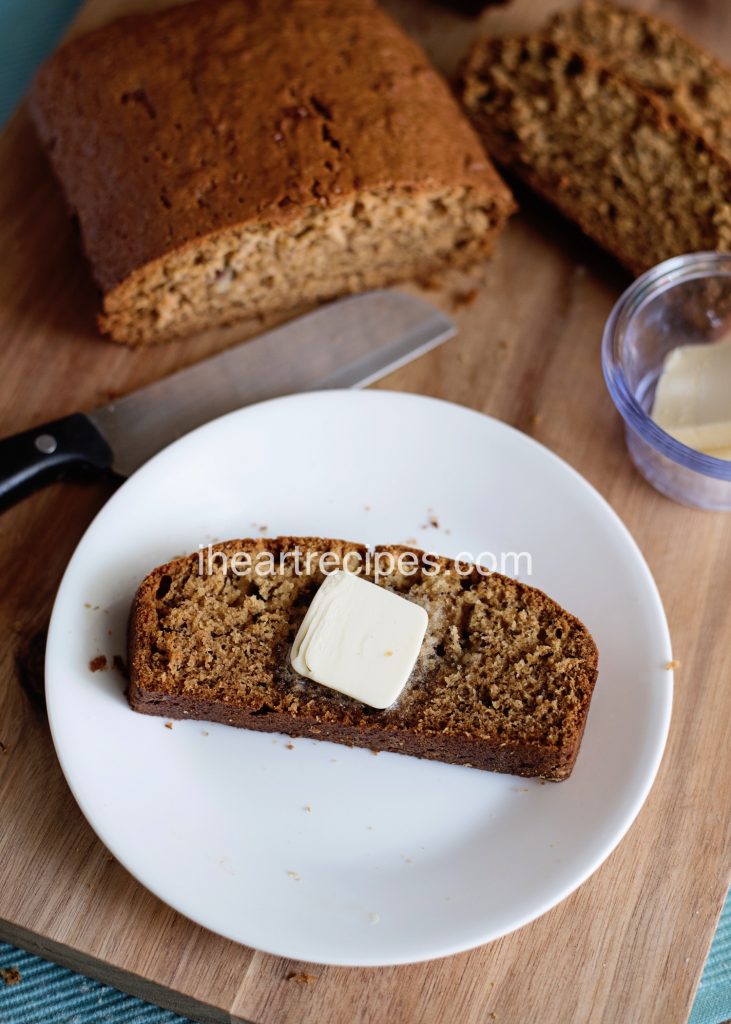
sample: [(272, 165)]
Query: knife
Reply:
[(349, 343)]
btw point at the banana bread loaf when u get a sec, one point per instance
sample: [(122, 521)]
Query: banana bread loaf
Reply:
[(503, 680), (657, 57), (609, 155), (228, 158)]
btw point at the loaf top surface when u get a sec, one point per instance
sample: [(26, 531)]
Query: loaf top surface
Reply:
[(501, 661), (167, 127)]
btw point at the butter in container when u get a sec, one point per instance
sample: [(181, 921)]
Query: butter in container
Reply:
[(693, 397), (666, 357)]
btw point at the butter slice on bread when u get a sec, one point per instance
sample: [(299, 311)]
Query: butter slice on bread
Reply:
[(503, 680)]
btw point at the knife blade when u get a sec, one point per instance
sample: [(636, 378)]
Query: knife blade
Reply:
[(349, 343)]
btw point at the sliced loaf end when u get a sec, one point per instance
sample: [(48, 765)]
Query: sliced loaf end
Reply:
[(228, 158), (373, 239), (656, 56), (633, 176)]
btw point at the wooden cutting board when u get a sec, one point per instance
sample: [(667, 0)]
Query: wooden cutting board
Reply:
[(630, 944)]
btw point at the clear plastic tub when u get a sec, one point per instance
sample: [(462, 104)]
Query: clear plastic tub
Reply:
[(683, 301)]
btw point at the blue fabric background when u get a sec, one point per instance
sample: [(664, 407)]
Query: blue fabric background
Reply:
[(48, 994)]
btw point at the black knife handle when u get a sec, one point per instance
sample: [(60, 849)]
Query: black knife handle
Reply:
[(37, 457)]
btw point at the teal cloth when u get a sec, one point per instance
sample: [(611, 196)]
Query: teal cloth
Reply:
[(49, 994), (28, 30)]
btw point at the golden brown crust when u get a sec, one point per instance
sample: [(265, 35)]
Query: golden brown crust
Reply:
[(473, 698), (218, 116)]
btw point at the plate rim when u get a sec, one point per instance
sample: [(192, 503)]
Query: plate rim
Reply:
[(639, 797)]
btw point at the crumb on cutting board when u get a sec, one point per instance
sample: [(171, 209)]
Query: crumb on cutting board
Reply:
[(302, 978), (430, 284), (670, 665), (463, 299), (168, 725), (99, 663)]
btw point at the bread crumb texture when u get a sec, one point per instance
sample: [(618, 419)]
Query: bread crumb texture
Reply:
[(654, 55), (613, 148), (503, 680), (229, 158)]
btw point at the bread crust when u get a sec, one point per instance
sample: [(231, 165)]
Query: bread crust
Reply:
[(169, 131), (346, 721), (637, 237), (656, 56)]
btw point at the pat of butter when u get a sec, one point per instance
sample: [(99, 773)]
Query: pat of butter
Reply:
[(693, 397), (359, 639)]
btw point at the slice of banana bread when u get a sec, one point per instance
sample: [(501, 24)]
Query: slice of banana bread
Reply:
[(229, 157), (503, 680), (607, 154), (656, 56)]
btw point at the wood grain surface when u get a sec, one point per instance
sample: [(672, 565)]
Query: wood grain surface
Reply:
[(630, 944)]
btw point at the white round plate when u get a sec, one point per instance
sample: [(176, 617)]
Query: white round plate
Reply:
[(314, 851)]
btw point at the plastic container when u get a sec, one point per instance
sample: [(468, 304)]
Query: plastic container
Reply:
[(683, 301)]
